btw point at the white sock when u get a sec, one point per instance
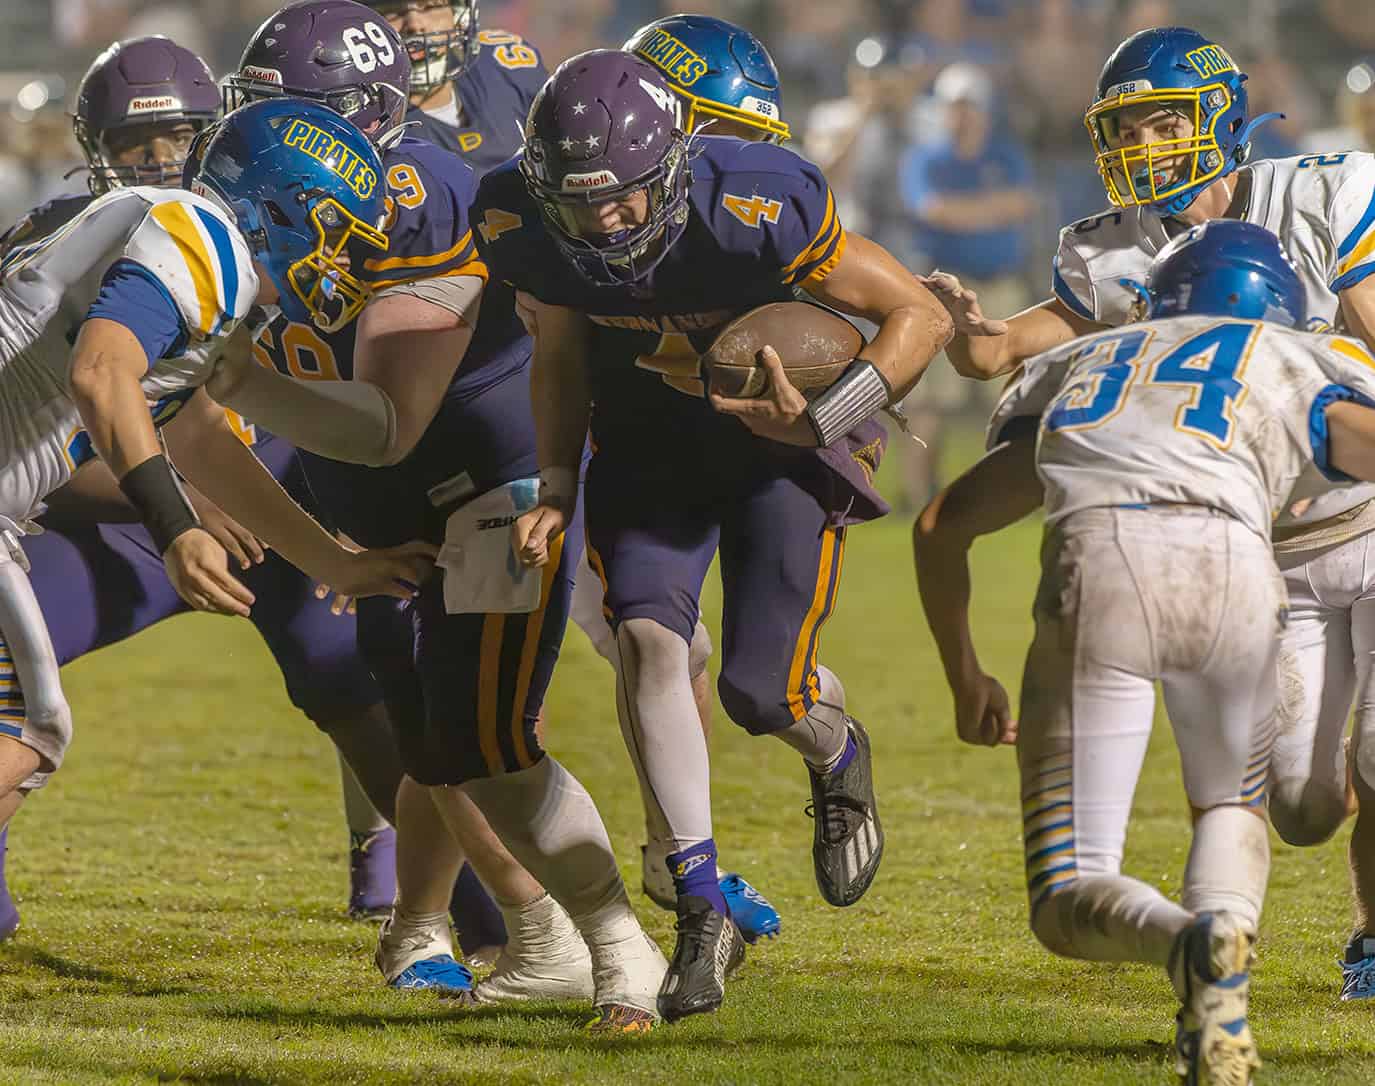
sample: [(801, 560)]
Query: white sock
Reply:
[(662, 732), (820, 735), (1110, 918), (361, 815), (550, 824), (1229, 862)]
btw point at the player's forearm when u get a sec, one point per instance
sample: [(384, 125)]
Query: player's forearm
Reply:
[(107, 363), (943, 581), (91, 495), (907, 340), (561, 398), (228, 474), (996, 492)]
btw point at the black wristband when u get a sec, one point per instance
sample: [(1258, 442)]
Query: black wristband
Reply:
[(161, 503), (860, 392)]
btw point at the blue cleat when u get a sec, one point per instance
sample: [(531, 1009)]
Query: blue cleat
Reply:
[(753, 914), (417, 954), (9, 912), (441, 975), (1358, 970)]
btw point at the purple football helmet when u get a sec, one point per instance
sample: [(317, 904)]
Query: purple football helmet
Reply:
[(336, 52), (604, 127), (139, 82), (437, 55)]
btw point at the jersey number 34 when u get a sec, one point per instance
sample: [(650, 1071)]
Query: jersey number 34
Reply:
[(1208, 367)]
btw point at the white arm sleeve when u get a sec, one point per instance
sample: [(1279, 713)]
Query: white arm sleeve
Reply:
[(352, 421)]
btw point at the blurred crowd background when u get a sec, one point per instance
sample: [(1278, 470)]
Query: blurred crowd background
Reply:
[(951, 130)]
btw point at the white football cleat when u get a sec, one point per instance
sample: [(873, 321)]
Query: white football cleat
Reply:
[(1210, 967), (544, 958), (417, 952)]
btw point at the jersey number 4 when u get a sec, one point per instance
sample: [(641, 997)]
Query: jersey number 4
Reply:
[(1207, 366)]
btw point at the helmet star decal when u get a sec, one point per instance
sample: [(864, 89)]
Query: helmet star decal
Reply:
[(567, 144), (579, 109), (593, 141)]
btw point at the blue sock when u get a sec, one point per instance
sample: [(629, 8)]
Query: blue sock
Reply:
[(4, 847), (845, 755), (694, 872)]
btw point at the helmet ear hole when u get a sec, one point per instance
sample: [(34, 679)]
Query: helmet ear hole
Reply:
[(276, 214)]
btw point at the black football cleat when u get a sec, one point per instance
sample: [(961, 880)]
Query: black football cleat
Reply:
[(848, 840), (709, 947)]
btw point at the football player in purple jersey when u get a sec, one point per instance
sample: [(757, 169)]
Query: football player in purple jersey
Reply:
[(96, 574), (471, 90), (444, 446), (632, 248)]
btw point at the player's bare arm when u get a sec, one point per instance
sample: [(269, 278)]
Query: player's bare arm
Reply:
[(870, 283), (1351, 440), (408, 349), (107, 363), (561, 397), (985, 347), (996, 492), (92, 494), (228, 473)]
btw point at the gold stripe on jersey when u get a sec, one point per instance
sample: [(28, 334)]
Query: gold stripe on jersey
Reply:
[(174, 218)]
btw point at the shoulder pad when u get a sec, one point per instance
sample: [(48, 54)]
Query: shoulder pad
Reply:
[(192, 249)]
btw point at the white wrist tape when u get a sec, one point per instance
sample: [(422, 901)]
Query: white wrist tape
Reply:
[(352, 421)]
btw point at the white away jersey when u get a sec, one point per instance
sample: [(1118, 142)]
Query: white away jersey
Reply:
[(186, 244), (1206, 411), (1321, 207)]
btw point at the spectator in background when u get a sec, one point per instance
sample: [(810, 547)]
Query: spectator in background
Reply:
[(857, 141), (970, 199)]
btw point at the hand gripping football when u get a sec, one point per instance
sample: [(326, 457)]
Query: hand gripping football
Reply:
[(814, 344)]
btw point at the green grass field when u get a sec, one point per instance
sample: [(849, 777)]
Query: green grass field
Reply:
[(182, 884)]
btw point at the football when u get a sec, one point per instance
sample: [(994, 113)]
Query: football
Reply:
[(815, 345)]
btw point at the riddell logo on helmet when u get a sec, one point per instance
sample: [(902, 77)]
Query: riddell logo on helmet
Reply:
[(574, 182), (155, 104), (262, 75)]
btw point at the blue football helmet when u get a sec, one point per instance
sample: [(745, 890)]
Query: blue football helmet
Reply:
[(303, 184), (719, 70), (1183, 73), (1226, 268)]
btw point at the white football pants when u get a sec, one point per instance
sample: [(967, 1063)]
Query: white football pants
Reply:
[(1128, 597), (1326, 658)]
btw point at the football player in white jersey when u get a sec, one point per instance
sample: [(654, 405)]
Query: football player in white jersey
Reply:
[(109, 326), (1163, 451), (1170, 128)]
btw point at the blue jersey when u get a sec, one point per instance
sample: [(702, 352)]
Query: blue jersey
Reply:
[(494, 93), (762, 221)]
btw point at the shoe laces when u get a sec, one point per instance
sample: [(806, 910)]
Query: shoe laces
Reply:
[(1359, 976), (840, 815)]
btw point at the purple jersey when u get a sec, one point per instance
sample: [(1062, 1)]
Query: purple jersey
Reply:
[(762, 221), (494, 93), (427, 229)]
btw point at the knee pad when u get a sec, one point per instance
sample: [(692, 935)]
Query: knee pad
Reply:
[(1304, 812)]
